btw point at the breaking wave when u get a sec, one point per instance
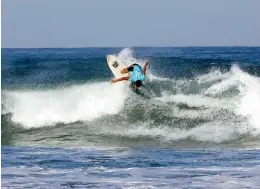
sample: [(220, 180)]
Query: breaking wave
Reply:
[(216, 106)]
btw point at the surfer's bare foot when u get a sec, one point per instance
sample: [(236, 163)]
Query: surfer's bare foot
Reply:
[(113, 81)]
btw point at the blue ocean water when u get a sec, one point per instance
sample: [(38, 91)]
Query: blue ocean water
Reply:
[(65, 125)]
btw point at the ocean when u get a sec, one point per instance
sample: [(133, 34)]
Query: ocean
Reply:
[(65, 125)]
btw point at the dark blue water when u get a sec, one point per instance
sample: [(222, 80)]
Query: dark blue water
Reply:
[(31, 167), (64, 125)]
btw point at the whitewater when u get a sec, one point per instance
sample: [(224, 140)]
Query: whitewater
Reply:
[(216, 106)]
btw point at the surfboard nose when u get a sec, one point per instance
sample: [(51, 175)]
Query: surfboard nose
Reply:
[(108, 57)]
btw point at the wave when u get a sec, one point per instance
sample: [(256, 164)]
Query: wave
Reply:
[(76, 103), (216, 106)]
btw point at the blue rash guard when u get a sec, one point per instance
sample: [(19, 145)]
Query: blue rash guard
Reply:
[(137, 74)]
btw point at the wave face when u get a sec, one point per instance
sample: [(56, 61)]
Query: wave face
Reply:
[(192, 96)]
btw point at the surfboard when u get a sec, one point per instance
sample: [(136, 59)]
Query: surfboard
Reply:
[(116, 66)]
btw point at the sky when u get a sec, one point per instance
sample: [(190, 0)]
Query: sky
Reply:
[(129, 23)]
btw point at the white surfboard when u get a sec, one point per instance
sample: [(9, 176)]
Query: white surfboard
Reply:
[(116, 66)]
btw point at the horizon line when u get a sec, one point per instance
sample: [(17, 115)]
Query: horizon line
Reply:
[(188, 46)]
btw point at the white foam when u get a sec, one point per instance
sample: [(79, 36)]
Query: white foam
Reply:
[(250, 101), (228, 80), (126, 56), (151, 77), (245, 103), (196, 101), (214, 75), (83, 102)]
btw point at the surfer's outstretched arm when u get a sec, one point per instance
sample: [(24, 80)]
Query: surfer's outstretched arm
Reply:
[(145, 68), (120, 79)]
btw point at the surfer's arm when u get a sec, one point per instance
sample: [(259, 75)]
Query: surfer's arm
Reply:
[(120, 79), (145, 68)]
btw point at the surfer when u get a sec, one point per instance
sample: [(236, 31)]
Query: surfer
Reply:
[(138, 75)]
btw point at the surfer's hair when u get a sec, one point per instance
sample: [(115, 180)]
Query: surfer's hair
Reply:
[(138, 83)]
